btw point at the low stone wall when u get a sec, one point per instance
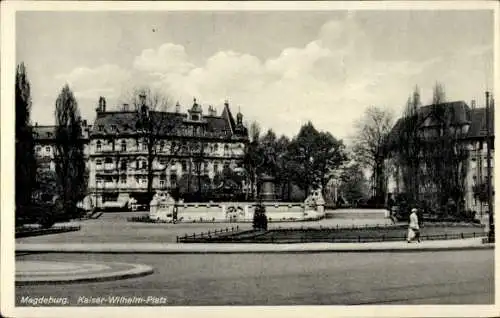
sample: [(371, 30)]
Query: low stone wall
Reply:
[(243, 212)]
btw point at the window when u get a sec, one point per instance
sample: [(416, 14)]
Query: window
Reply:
[(49, 134), (124, 145), (173, 179), (163, 162), (113, 127), (226, 148), (216, 147), (123, 179), (98, 179), (38, 148), (162, 145), (47, 149), (101, 127), (144, 146), (98, 162), (184, 166), (162, 183), (108, 160), (123, 165), (216, 167), (98, 145)]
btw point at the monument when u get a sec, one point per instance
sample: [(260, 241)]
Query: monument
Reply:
[(162, 207), (267, 188)]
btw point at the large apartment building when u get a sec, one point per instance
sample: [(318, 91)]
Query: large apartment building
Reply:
[(470, 125), (187, 144)]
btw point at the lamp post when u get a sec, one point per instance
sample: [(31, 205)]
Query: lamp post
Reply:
[(491, 232)]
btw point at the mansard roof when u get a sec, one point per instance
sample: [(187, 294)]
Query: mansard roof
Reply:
[(48, 132), (169, 124), (456, 113)]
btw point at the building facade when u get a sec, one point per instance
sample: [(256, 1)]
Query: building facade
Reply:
[(45, 139), (181, 148), (469, 124)]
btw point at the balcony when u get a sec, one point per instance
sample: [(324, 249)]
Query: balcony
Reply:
[(109, 166)]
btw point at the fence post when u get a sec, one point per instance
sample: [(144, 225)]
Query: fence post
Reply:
[(359, 238), (445, 236), (237, 227), (462, 234), (194, 235), (474, 234)]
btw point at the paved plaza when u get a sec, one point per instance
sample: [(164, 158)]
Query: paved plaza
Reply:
[(452, 277), (50, 272), (114, 228), (83, 267)]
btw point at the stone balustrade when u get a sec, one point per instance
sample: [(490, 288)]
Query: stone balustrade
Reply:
[(231, 211)]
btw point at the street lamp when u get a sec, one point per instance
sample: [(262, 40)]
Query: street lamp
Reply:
[(491, 233)]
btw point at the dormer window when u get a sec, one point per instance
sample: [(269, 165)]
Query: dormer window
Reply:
[(195, 117), (113, 127), (101, 127)]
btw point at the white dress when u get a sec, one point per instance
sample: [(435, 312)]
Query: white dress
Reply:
[(413, 226)]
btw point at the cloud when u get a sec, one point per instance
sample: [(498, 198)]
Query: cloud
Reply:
[(90, 82), (330, 80), (167, 58)]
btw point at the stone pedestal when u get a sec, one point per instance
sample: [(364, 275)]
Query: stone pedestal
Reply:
[(267, 192)]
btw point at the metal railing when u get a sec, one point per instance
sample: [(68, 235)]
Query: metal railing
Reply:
[(217, 233)]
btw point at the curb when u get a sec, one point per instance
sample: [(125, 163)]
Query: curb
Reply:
[(139, 270), (242, 248)]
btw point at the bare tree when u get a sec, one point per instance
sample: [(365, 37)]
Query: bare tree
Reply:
[(370, 141), (408, 146), (445, 156), (157, 129), (254, 158)]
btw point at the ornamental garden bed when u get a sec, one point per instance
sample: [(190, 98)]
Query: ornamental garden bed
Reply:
[(341, 235)]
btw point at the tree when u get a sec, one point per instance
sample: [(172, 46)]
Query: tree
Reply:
[(407, 147), (253, 158), (284, 177), (353, 185), (69, 157), (25, 166), (445, 156), (313, 156), (370, 141), (155, 127)]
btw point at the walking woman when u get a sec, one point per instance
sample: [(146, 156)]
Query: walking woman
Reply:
[(413, 228)]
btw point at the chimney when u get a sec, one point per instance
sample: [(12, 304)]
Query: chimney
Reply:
[(102, 105), (473, 104), (142, 98), (177, 107), (125, 108)]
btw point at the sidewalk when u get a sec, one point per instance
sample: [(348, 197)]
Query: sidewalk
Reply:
[(228, 248)]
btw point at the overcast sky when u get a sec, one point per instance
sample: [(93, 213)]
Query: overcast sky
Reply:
[(280, 68)]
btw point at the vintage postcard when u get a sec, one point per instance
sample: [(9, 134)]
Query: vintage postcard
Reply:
[(230, 159)]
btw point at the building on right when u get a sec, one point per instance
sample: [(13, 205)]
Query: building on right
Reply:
[(439, 155)]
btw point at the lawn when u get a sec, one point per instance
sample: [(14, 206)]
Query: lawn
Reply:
[(369, 234)]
